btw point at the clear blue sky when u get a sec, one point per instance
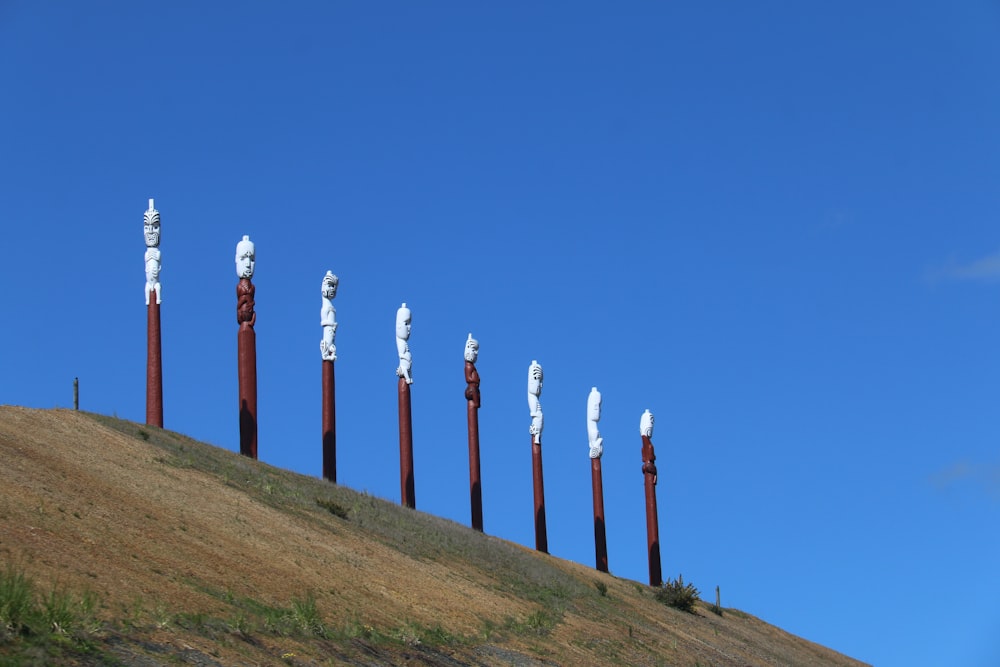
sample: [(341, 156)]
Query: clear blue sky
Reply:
[(774, 224)]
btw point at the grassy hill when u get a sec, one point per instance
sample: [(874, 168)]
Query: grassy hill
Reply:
[(125, 544)]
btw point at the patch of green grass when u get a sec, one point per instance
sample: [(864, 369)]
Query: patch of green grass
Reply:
[(539, 622), (332, 507), (17, 600), (44, 628)]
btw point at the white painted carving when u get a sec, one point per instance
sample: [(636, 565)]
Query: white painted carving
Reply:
[(646, 424), (151, 230), (594, 416), (535, 377), (245, 258), (471, 349), (328, 317), (403, 320)]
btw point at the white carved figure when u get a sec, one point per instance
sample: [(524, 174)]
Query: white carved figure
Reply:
[(328, 317), (534, 405), (646, 424), (403, 319), (594, 416), (245, 258), (151, 230), (471, 349)]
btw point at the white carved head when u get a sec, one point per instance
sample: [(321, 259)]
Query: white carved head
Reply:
[(403, 320), (151, 226), (594, 405), (471, 349), (646, 424), (535, 378), (245, 258), (330, 282)]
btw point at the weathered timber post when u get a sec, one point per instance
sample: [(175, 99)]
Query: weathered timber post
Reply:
[(596, 451), (154, 363), (246, 341), (650, 479), (407, 486), (535, 377), (473, 400), (328, 355)]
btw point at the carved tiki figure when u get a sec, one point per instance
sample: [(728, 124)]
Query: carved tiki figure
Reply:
[(648, 455), (245, 261), (471, 374), (403, 324), (594, 416), (151, 230), (328, 317), (535, 377)]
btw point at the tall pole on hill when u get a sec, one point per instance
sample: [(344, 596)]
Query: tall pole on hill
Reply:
[(154, 363), (407, 487), (535, 376), (246, 341), (650, 479), (328, 355), (473, 400), (596, 478)]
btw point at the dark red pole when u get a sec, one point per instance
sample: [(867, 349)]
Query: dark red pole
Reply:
[(329, 423), (407, 488), (541, 536), (475, 481), (246, 341), (652, 523), (154, 364), (600, 535)]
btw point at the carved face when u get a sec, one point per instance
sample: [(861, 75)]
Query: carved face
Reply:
[(245, 258), (646, 424), (330, 283), (403, 317), (151, 228), (471, 349), (535, 379), (594, 405)]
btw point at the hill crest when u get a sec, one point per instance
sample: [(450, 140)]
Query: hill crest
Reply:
[(197, 551)]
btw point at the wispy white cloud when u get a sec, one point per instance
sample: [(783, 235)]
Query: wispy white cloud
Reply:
[(984, 269), (983, 476)]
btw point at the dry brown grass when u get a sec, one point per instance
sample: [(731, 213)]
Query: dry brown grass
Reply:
[(199, 554)]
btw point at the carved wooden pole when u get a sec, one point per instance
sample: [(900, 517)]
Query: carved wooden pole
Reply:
[(596, 451), (154, 363), (535, 377), (407, 486), (328, 354), (473, 399), (246, 341), (650, 479)]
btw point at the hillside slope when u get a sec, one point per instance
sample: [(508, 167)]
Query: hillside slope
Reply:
[(199, 555)]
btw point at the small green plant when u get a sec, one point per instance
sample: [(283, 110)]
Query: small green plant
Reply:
[(57, 611), (17, 594), (602, 588), (675, 593), (332, 507), (305, 617)]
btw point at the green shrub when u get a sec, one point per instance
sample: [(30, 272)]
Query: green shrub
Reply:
[(17, 598), (675, 593)]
